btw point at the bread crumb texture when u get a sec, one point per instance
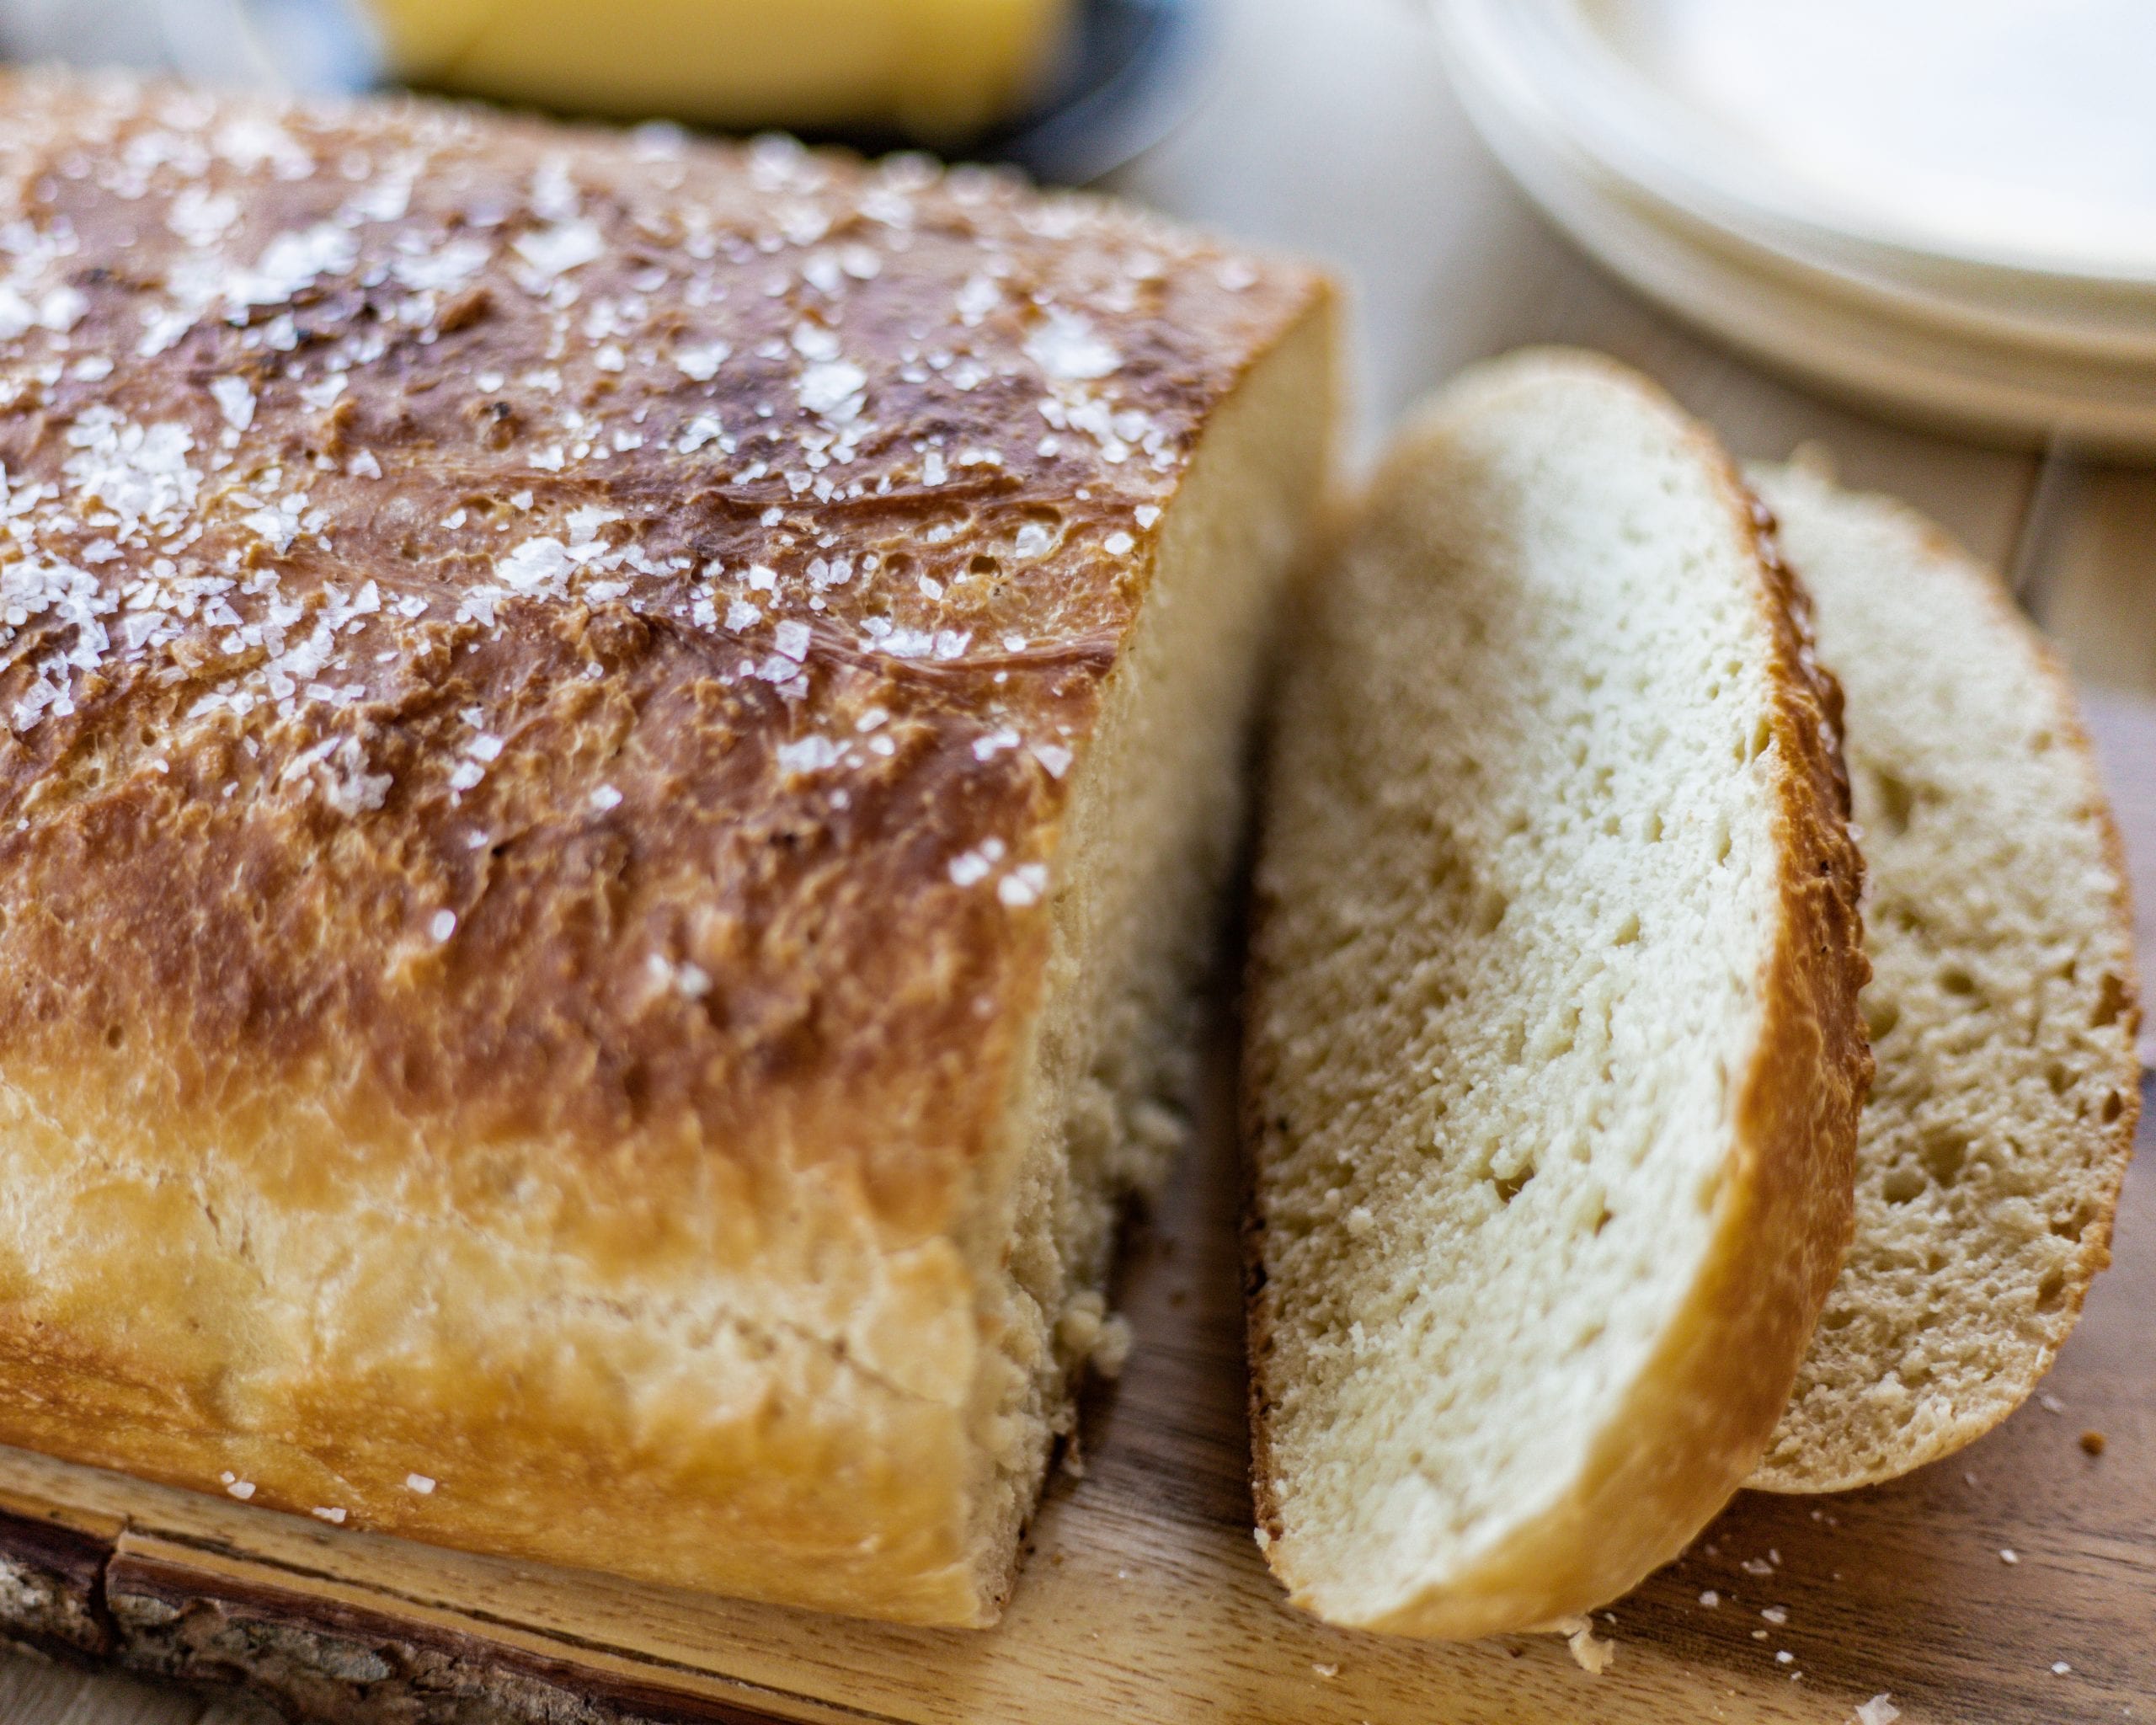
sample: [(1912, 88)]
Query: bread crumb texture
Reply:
[(2002, 1008), (562, 692), (1553, 879)]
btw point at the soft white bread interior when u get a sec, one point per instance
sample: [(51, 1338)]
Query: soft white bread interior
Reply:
[(1554, 1057), (1150, 830), (2001, 1007)]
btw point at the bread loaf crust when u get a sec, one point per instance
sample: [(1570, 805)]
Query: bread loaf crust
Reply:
[(1699, 1414), (515, 960)]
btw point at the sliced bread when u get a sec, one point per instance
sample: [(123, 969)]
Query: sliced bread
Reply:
[(1553, 1055), (2001, 1007)]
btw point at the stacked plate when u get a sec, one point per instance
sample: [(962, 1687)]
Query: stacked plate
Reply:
[(1946, 207)]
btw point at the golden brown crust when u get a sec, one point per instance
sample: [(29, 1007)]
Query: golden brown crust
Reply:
[(545, 669)]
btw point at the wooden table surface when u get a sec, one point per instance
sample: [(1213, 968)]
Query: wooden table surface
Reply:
[(1330, 130)]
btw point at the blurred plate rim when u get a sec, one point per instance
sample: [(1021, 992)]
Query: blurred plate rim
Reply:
[(1946, 360), (1581, 85)]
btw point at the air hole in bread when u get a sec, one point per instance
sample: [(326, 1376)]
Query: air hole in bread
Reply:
[(1893, 803), (2051, 1291), (1880, 1018), (1902, 1185), (1944, 1154), (1510, 1186), (2110, 1001), (1957, 981)]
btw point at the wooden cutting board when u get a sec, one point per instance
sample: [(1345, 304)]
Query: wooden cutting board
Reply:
[(1144, 1598)]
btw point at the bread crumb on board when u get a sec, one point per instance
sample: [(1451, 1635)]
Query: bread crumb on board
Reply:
[(1591, 1652), (2093, 1442)]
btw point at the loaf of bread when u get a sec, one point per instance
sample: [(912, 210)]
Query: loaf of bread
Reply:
[(1554, 1056), (2001, 1005), (615, 754)]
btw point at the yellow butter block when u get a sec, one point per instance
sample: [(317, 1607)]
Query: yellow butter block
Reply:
[(938, 69)]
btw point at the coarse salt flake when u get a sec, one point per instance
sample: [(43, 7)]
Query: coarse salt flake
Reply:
[(235, 400), (419, 1482), (534, 564), (832, 389), (443, 925), (970, 868), (565, 246), (809, 755), (1023, 885), (700, 365), (1066, 349)]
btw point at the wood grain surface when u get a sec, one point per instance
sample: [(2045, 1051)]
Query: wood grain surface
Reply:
[(1144, 1598)]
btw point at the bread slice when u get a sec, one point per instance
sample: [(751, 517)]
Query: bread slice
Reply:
[(2002, 1004), (1553, 1055)]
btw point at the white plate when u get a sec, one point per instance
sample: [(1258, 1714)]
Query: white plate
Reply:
[(1939, 309)]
